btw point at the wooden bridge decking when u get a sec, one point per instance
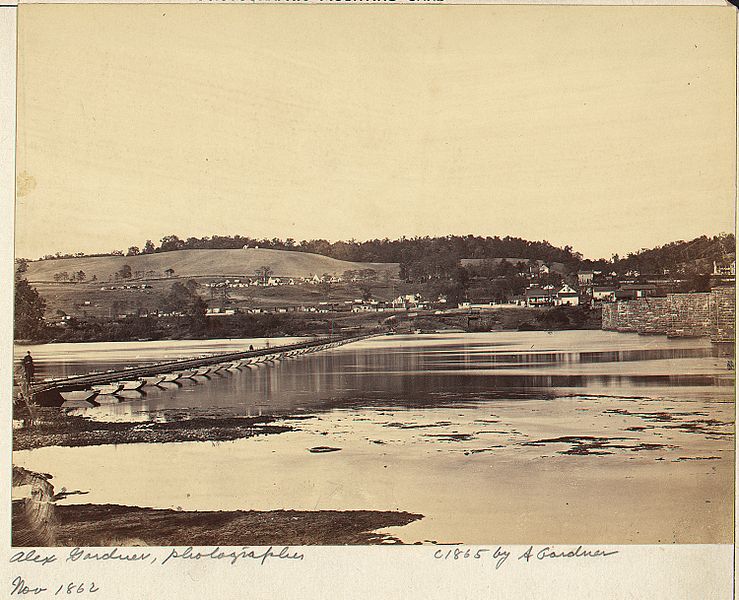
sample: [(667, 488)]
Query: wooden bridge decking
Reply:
[(79, 382)]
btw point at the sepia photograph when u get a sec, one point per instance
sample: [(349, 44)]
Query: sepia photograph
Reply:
[(317, 275)]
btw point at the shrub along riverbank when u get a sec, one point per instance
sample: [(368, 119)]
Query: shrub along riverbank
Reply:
[(301, 324)]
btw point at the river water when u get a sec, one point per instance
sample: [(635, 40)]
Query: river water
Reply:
[(510, 437)]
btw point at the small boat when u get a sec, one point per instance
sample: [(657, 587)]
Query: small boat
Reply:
[(153, 379), (169, 377), (130, 385), (108, 388), (202, 371), (79, 395), (79, 404), (234, 366), (188, 374)]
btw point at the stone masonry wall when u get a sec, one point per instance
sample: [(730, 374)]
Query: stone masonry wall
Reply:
[(690, 315), (608, 316), (710, 314), (724, 314)]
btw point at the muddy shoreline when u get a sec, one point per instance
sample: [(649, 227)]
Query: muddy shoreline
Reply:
[(53, 427), (38, 520)]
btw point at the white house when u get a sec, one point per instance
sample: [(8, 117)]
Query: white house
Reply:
[(539, 296), (219, 312), (365, 307), (585, 277), (566, 295), (726, 269), (604, 294), (407, 301)]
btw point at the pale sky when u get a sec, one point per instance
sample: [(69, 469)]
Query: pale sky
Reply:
[(604, 128)]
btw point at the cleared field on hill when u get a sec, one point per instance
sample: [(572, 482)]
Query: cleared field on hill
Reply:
[(203, 263), (88, 300)]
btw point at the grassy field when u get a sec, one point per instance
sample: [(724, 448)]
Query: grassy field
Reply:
[(88, 300), (202, 263)]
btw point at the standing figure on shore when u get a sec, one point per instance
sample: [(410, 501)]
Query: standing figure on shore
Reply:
[(28, 366)]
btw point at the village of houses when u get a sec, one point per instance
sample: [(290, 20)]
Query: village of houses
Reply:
[(229, 295)]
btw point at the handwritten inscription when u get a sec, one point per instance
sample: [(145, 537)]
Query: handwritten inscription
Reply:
[(234, 556), (31, 556), (19, 587), (497, 556), (77, 554), (500, 555), (76, 588), (549, 552), (174, 554)]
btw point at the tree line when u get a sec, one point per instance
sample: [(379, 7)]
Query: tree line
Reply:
[(426, 258), (419, 258), (403, 250), (679, 257)]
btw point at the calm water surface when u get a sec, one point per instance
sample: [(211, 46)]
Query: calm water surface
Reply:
[(62, 360), (442, 425), (406, 371)]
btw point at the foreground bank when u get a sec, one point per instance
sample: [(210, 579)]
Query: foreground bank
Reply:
[(39, 521)]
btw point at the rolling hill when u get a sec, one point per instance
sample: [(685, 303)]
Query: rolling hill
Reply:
[(202, 263)]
